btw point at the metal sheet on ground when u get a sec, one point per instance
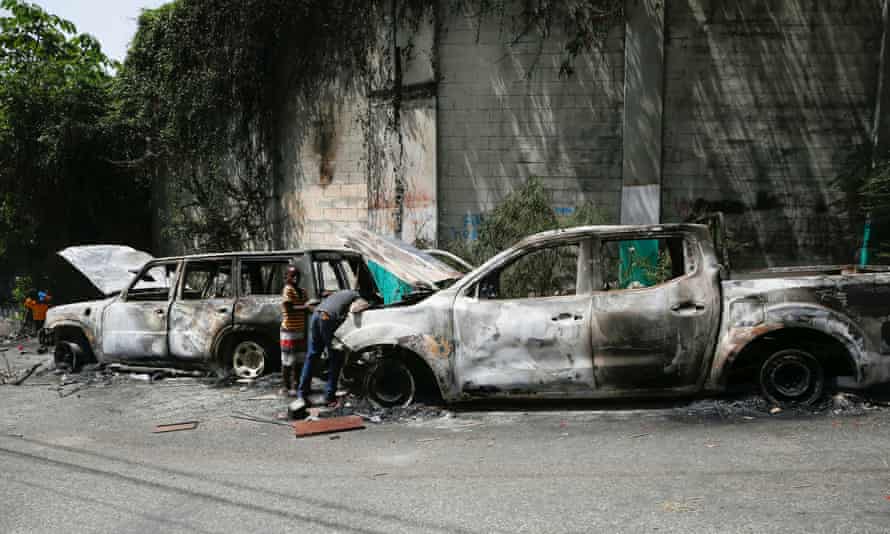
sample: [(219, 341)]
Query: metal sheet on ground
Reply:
[(328, 426)]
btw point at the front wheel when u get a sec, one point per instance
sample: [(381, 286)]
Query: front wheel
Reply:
[(69, 355), (792, 377), (390, 383)]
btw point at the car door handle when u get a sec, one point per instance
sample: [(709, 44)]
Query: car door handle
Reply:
[(222, 310), (159, 312), (566, 316), (687, 308)]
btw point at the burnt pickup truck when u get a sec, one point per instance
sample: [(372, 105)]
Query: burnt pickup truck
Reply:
[(190, 311), (618, 311)]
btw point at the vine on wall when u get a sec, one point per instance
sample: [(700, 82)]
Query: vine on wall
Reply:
[(200, 87)]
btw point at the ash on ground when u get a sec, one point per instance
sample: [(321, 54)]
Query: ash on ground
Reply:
[(354, 405), (755, 406), (22, 361)]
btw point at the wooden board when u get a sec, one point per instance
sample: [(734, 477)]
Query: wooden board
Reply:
[(328, 426), (174, 427)]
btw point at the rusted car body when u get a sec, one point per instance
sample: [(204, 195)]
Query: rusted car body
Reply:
[(587, 332), (190, 311)]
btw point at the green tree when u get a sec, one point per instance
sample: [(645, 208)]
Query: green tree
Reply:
[(58, 184), (526, 211)]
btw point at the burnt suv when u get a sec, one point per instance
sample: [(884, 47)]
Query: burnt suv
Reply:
[(191, 311)]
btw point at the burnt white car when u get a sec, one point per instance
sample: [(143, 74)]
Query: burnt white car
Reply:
[(619, 311), (191, 311)]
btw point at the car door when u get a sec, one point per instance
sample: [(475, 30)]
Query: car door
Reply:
[(655, 312), (331, 273), (203, 306), (524, 327), (261, 280), (135, 325)]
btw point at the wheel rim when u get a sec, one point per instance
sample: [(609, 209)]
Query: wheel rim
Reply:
[(248, 359), (392, 384), (791, 378), (65, 354)]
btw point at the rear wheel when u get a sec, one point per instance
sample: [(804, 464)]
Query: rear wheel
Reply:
[(249, 358), (390, 383), (792, 377)]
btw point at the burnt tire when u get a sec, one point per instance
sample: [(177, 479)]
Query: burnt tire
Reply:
[(250, 357), (390, 383), (69, 355), (792, 377)]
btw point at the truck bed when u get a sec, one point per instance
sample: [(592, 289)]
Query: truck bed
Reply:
[(808, 270)]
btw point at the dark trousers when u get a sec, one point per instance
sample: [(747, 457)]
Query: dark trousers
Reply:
[(321, 332)]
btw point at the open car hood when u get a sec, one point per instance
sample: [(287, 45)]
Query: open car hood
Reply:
[(409, 264), (109, 267)]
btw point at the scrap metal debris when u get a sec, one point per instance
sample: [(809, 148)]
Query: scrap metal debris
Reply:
[(155, 372), (270, 396), (255, 419), (140, 377), (28, 373), (354, 405), (68, 392)]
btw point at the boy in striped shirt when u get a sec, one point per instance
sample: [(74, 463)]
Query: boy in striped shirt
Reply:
[(293, 329)]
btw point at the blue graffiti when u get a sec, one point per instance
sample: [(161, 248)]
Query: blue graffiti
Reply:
[(472, 222)]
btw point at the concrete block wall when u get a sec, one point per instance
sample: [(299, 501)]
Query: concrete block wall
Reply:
[(321, 170), (504, 114), (764, 102)]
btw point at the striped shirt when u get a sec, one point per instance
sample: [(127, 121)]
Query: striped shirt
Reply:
[(291, 319)]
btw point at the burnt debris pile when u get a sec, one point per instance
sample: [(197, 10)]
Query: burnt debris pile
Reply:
[(755, 406), (355, 405)]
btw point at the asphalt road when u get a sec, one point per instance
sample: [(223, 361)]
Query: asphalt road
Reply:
[(89, 462)]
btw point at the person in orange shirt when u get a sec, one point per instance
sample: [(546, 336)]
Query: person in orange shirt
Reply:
[(38, 308)]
